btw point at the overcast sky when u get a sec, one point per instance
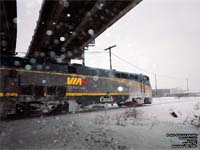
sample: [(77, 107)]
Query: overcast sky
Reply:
[(159, 36)]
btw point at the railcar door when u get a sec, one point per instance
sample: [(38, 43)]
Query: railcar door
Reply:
[(11, 84), (142, 86), (10, 91)]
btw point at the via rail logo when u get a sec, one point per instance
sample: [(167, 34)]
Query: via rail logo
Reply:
[(76, 81)]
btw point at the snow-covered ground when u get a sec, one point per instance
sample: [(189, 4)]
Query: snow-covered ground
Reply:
[(150, 127)]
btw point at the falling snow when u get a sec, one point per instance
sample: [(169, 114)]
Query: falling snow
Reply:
[(115, 129), (28, 67), (49, 32), (91, 32)]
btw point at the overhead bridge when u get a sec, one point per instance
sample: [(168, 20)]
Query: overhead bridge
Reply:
[(8, 27), (66, 27)]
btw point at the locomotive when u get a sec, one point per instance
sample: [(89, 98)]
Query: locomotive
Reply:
[(44, 80), (27, 85)]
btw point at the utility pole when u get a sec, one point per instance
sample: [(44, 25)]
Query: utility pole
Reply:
[(109, 48), (187, 80), (91, 44), (155, 85), (83, 57)]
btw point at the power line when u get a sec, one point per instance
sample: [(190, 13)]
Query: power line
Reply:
[(135, 66), (171, 77), (96, 52), (122, 59), (144, 70)]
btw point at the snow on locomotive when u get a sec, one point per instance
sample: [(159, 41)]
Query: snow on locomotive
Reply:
[(27, 87)]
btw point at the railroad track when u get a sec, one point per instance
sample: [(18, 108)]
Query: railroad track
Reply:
[(96, 109), (39, 114), (176, 101)]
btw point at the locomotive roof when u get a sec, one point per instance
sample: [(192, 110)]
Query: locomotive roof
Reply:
[(107, 70), (57, 67)]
